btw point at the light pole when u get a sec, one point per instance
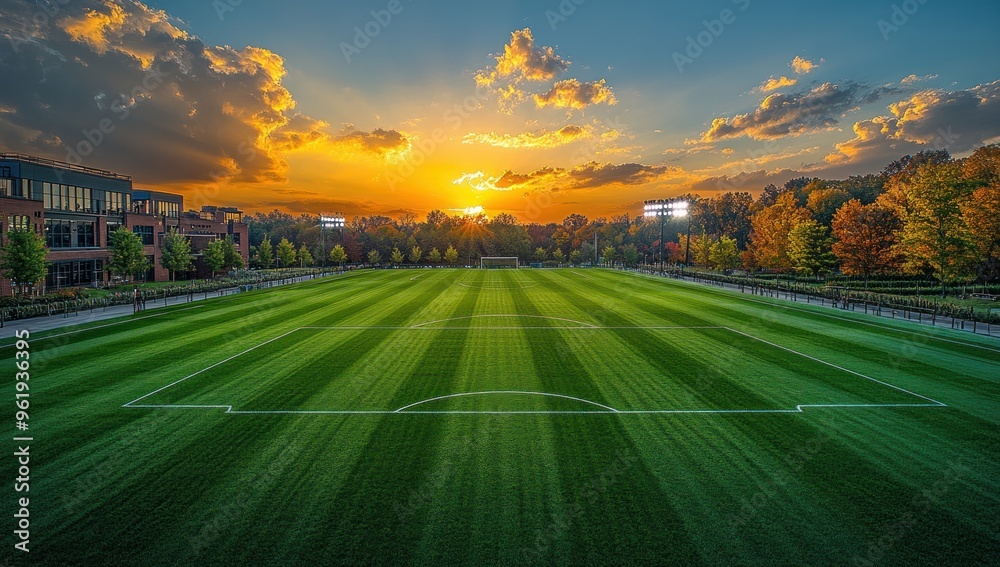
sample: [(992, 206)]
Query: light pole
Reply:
[(325, 222), (664, 208)]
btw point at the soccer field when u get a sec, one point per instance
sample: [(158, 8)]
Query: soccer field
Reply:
[(516, 417)]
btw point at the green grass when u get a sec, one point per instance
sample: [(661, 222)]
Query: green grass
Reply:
[(606, 418)]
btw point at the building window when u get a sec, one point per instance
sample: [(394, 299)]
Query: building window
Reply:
[(84, 234), (145, 234), (58, 233), (236, 238), (6, 187), (18, 222)]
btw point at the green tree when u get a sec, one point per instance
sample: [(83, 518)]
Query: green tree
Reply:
[(22, 259), (232, 260), (434, 257), (214, 255), (701, 249), (540, 254), (285, 253), (128, 257), (725, 254), (176, 253), (558, 256), (416, 254), (608, 255), (265, 253), (374, 258), (451, 255), (771, 227), (305, 256), (810, 248), (630, 255), (396, 257), (935, 233), (338, 255), (575, 257)]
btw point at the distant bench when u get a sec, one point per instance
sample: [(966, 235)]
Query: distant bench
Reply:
[(984, 296)]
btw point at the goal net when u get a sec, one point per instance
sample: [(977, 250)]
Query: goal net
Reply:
[(497, 262)]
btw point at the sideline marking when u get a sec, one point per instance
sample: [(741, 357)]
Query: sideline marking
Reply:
[(500, 392), (419, 325)]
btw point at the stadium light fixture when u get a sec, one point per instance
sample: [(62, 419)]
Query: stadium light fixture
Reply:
[(337, 221), (673, 208)]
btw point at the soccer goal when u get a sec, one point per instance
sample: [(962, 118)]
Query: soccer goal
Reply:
[(497, 262)]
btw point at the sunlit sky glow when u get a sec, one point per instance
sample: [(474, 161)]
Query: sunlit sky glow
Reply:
[(508, 106)]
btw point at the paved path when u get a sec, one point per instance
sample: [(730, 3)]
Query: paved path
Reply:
[(39, 324)]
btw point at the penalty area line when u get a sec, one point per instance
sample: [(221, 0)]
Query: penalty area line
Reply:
[(841, 368)]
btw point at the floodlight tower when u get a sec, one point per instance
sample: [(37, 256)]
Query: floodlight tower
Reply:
[(335, 221), (663, 208)]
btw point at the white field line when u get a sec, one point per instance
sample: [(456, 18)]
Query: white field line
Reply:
[(207, 368), (503, 392), (423, 327), (419, 325), (108, 325), (415, 277), (841, 368), (581, 275), (497, 287), (735, 295)]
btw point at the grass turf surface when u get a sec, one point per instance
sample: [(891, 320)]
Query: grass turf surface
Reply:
[(463, 416)]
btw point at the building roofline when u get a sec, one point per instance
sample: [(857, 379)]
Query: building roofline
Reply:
[(63, 165)]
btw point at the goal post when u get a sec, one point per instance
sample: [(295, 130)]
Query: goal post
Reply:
[(498, 262)]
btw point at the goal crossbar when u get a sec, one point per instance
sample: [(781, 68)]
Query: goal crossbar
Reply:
[(497, 262)]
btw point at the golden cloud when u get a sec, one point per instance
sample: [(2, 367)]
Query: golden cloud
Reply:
[(573, 94), (773, 84), (803, 66), (561, 137), (588, 176), (522, 61)]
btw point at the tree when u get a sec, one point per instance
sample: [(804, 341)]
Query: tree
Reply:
[(285, 253), (771, 227), (265, 253), (809, 250), (630, 254), (865, 239), (233, 259), (558, 256), (824, 203), (305, 256), (396, 257), (434, 257), (416, 254), (451, 255), (176, 253), (982, 214), (374, 258), (574, 257), (127, 254), (701, 249), (608, 255), (214, 255), (22, 259), (338, 255), (540, 254), (725, 254), (935, 233)]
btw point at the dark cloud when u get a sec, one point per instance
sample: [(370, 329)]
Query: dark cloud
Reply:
[(793, 114), (115, 84)]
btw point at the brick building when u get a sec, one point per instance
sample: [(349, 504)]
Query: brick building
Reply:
[(76, 209)]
